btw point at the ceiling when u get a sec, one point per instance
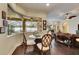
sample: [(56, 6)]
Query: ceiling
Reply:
[(55, 10), (62, 7), (37, 6)]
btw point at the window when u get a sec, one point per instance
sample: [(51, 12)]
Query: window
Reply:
[(31, 26), (14, 26)]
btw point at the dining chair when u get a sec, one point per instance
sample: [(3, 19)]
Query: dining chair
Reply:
[(44, 46)]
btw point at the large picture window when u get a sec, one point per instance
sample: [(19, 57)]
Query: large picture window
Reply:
[(31, 26), (14, 26)]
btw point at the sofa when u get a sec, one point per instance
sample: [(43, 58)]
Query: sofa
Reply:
[(68, 39), (64, 38)]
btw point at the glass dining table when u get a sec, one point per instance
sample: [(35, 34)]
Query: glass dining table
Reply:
[(33, 40)]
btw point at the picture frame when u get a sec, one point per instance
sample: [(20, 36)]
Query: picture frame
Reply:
[(4, 23), (44, 24), (2, 30), (3, 15)]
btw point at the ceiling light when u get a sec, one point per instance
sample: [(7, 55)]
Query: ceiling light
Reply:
[(47, 4)]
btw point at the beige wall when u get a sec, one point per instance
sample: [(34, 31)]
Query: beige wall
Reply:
[(9, 43), (65, 27), (3, 7)]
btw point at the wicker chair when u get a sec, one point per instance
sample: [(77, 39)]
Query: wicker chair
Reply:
[(44, 46)]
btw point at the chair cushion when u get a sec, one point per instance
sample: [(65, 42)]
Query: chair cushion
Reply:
[(39, 45)]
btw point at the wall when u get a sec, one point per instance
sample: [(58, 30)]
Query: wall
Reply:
[(3, 7), (65, 26), (9, 43), (73, 25)]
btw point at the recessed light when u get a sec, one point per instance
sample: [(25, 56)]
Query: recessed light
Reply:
[(47, 4)]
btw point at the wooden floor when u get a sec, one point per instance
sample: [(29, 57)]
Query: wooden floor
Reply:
[(57, 49)]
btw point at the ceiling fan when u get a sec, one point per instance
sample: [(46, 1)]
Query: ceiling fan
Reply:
[(70, 15)]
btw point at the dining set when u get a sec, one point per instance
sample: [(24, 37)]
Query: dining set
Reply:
[(40, 43)]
